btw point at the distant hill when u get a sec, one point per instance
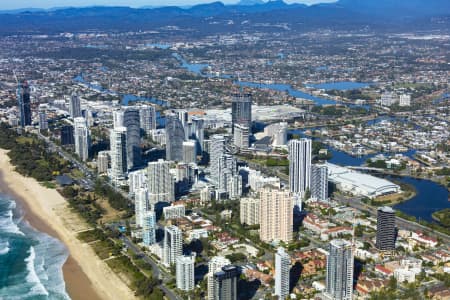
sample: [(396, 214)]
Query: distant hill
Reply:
[(215, 17), (20, 10), (250, 2)]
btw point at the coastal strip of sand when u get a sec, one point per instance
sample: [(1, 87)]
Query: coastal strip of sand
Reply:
[(85, 274)]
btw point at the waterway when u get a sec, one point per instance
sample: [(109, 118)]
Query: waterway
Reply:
[(430, 198), (288, 89), (340, 85), (198, 69)]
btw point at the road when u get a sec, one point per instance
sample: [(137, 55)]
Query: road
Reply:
[(155, 269), (86, 182)]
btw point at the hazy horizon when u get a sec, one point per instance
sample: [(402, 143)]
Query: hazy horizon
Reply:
[(45, 4)]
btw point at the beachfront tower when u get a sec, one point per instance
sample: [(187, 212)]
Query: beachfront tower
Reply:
[(173, 244), (148, 228), (24, 103), (131, 121), (118, 145), (82, 138)]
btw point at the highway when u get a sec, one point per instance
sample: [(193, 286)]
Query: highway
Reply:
[(88, 181), (155, 269)]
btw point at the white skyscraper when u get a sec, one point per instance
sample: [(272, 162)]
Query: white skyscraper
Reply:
[(141, 205), (159, 136), (74, 106), (89, 115), (118, 152), (102, 162), (216, 152), (136, 180), (81, 136), (215, 264), (174, 212), (405, 100), (189, 152), (299, 166), (173, 244), (319, 182), (185, 272), (241, 136), (160, 182), (235, 186), (249, 211), (388, 99), (118, 118), (148, 228), (339, 278), (278, 132), (183, 116), (205, 195), (147, 115), (227, 169), (282, 273)]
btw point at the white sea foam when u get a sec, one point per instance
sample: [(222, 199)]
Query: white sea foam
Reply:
[(50, 256), (7, 223), (42, 276), (38, 288), (4, 248)]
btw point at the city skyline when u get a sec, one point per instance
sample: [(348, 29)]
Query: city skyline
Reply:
[(225, 152)]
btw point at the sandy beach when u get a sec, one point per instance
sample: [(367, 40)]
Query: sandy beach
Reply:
[(86, 276)]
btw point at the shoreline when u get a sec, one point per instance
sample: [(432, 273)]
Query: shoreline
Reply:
[(74, 277), (86, 276)]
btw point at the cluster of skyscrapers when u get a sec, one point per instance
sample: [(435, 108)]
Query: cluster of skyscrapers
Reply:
[(159, 181)]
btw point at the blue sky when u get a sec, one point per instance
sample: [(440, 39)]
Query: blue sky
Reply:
[(5, 4)]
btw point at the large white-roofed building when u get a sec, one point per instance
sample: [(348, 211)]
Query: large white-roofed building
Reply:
[(359, 184)]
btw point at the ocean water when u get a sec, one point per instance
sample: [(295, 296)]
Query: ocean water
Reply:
[(30, 261)]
